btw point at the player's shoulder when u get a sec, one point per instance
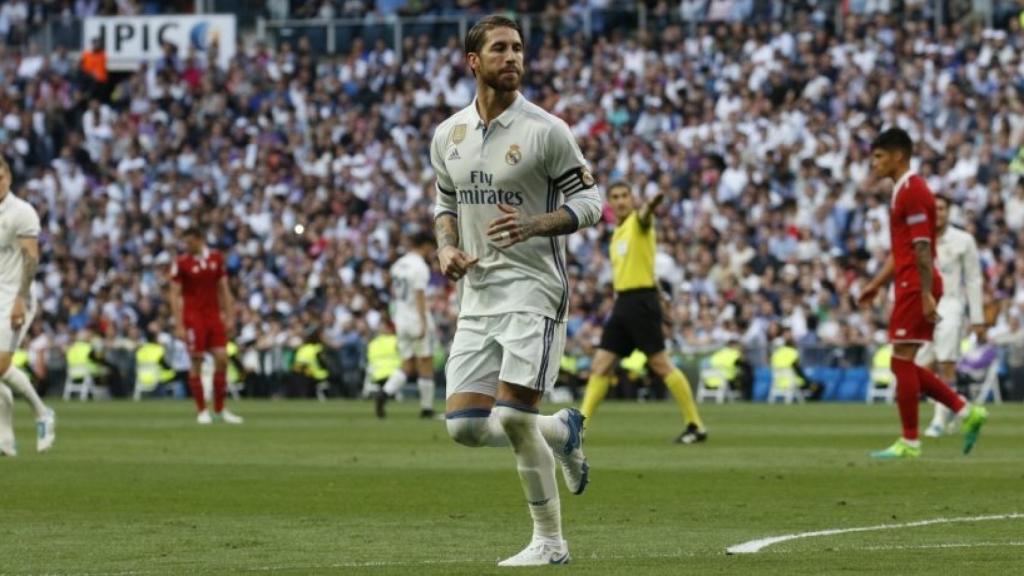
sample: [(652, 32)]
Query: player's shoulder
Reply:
[(21, 207), (181, 264), (462, 117), (410, 261), (959, 234), (401, 262), (541, 119), (918, 185)]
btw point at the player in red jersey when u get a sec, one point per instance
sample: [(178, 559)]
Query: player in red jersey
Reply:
[(201, 303), (918, 288)]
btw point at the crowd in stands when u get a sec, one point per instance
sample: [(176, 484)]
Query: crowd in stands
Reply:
[(308, 169)]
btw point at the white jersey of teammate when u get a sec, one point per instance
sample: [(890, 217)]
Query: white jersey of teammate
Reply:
[(18, 219), (513, 302), (409, 275), (958, 262), (527, 159)]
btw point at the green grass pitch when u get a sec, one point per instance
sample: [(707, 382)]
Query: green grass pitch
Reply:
[(310, 488)]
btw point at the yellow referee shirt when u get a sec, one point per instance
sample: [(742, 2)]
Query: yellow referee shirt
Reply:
[(632, 254)]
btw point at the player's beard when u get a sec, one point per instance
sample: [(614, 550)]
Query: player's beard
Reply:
[(499, 81)]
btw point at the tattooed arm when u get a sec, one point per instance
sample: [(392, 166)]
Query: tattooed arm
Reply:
[(454, 262), (29, 265), (583, 209)]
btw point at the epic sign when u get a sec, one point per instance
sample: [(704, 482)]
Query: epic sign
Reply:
[(131, 40)]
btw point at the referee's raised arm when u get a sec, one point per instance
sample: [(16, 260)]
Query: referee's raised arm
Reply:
[(646, 213)]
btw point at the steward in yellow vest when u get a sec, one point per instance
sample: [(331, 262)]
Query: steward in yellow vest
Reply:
[(382, 357), (151, 367)]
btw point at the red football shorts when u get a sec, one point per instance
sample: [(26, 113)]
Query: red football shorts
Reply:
[(204, 335), (907, 323)]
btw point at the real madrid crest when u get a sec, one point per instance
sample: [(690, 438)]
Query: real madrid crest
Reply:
[(514, 155), (586, 177), (458, 133)]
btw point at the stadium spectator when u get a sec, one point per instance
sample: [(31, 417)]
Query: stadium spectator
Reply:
[(757, 133)]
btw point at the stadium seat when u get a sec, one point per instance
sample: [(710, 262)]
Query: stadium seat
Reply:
[(981, 366), (720, 393), (880, 386), (784, 387), (79, 381)]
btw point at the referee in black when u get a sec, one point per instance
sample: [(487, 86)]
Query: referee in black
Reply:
[(636, 320)]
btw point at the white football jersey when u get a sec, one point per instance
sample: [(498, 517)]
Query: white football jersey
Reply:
[(958, 262), (527, 159), (18, 219), (409, 274)]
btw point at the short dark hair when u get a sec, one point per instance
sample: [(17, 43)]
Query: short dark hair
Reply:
[(894, 140), (477, 35), (194, 232), (945, 199), (4, 166), (422, 239), (620, 184)]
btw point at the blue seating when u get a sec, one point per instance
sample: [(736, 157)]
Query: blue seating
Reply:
[(841, 385), (762, 383), (829, 377), (854, 385)]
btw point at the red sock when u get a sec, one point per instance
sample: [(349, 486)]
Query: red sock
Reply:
[(220, 390), (908, 392), (196, 386), (934, 387)]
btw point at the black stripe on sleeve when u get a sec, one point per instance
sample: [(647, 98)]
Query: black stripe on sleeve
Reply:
[(574, 180), (575, 218)]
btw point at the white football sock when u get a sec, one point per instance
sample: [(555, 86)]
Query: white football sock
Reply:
[(395, 382), (536, 467), (19, 382), (554, 430), (426, 387), (6, 417), (964, 411), (476, 427), (942, 415)]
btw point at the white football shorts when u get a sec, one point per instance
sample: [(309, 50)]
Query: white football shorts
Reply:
[(945, 344), (10, 338), (409, 346), (523, 348)]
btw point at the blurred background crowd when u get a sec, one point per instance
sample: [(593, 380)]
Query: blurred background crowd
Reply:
[(306, 162)]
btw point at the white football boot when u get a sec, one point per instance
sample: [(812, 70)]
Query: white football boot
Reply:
[(46, 431), (575, 469), (540, 553), (230, 418)]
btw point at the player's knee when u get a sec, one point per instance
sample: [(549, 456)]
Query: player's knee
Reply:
[(470, 432), (603, 364), (5, 365), (661, 367), (516, 423)]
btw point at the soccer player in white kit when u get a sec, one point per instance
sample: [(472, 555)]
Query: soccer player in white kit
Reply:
[(414, 325), (19, 259), (960, 266), (511, 181)]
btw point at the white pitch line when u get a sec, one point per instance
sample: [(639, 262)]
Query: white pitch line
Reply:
[(754, 546), (940, 546)]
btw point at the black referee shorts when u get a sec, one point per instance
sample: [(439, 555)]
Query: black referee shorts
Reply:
[(635, 323)]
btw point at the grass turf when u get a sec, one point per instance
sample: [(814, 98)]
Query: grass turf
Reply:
[(308, 488)]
